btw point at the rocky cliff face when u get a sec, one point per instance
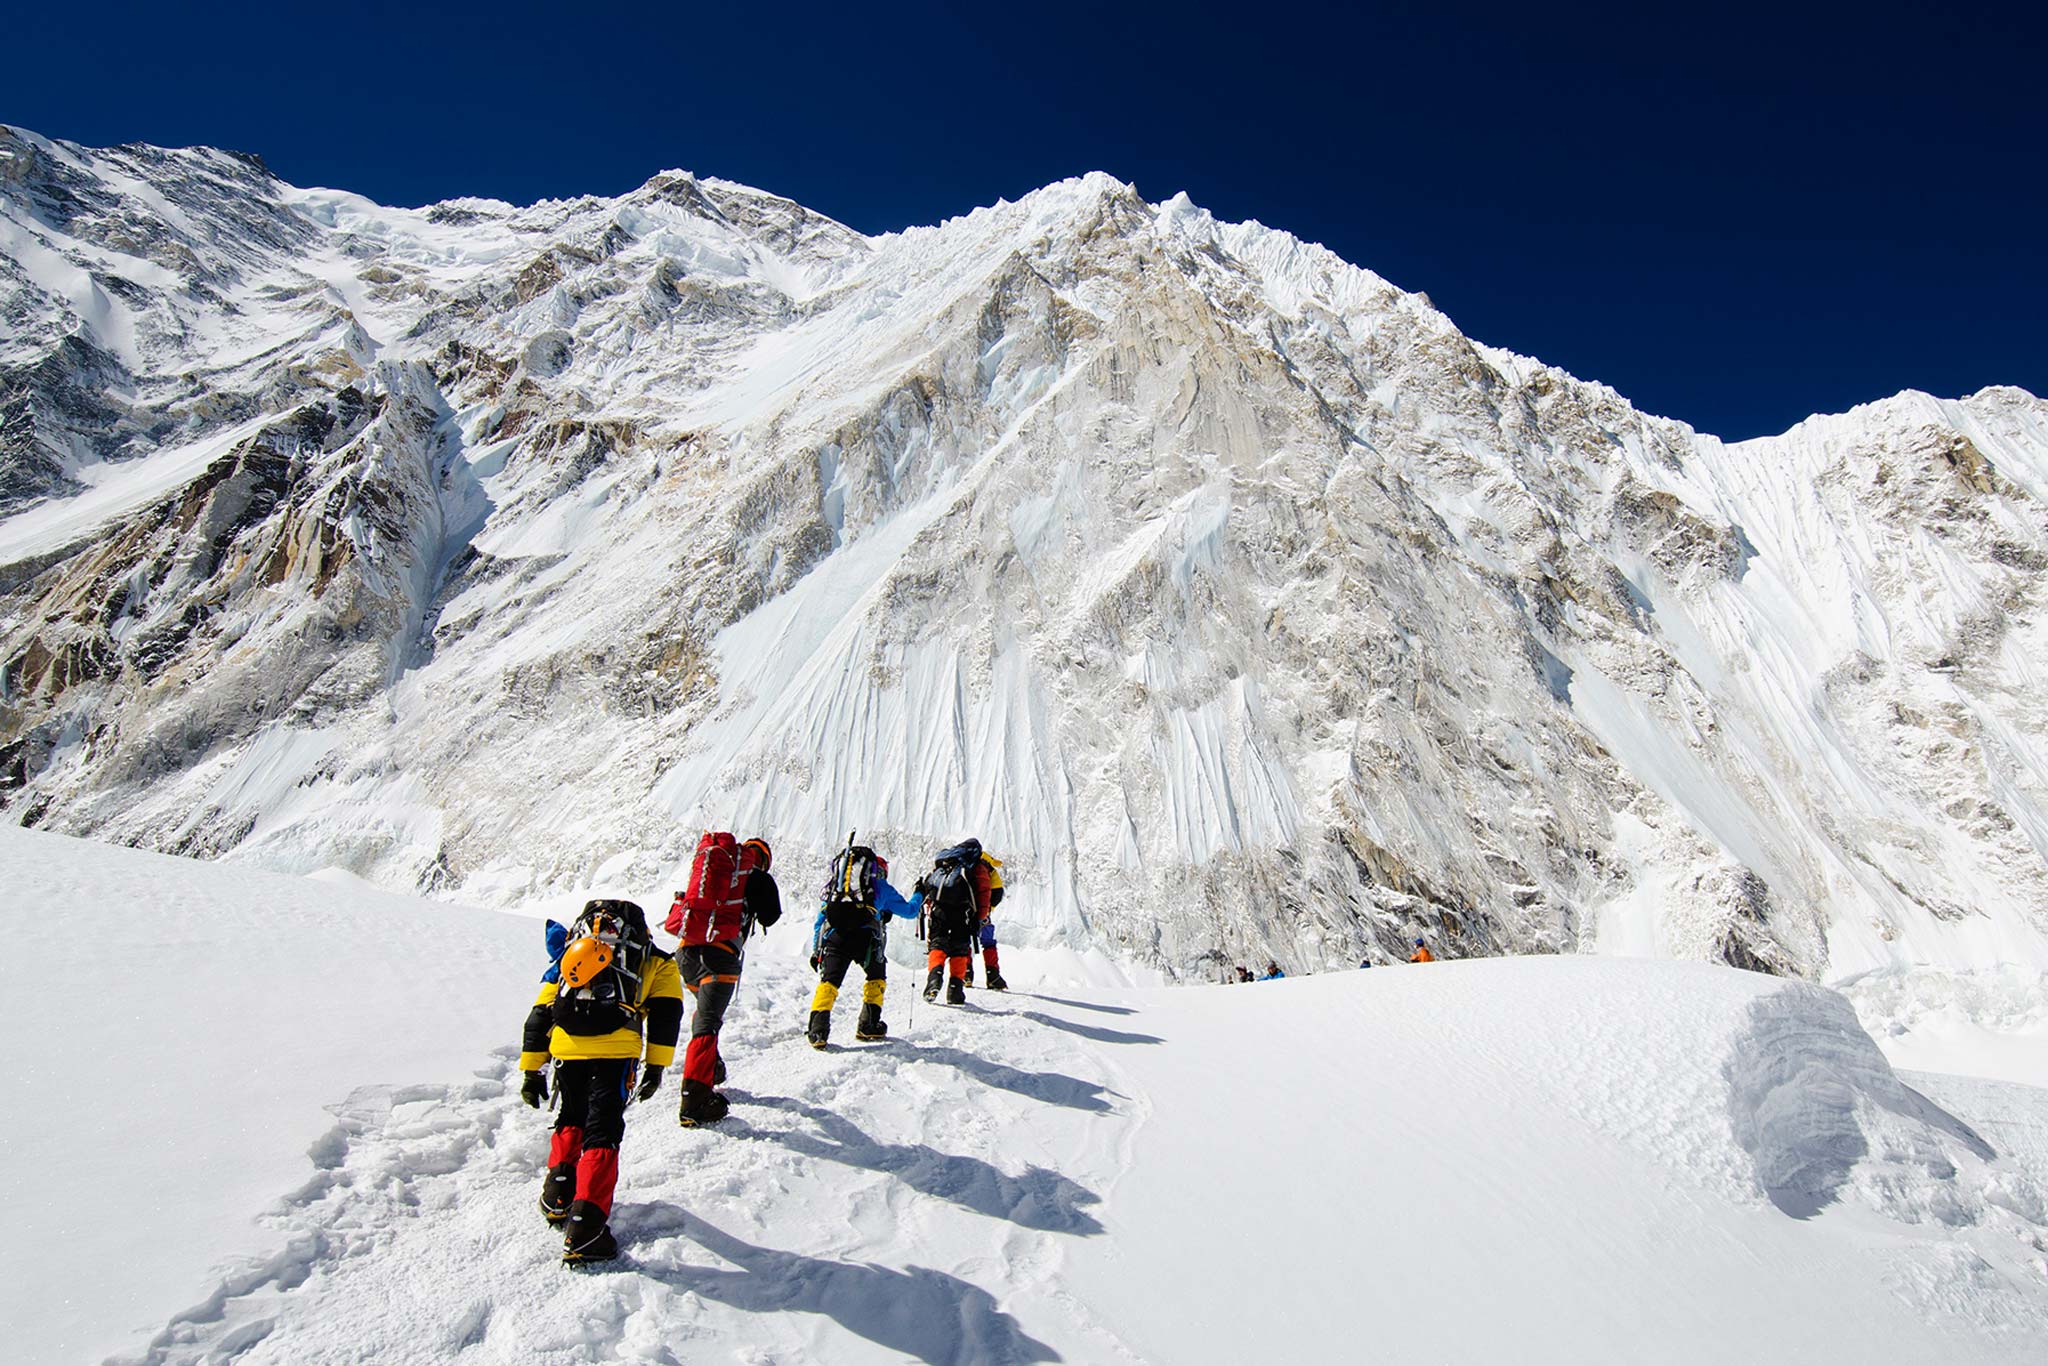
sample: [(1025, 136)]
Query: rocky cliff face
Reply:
[(1239, 599)]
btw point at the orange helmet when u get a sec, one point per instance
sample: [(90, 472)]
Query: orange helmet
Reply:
[(584, 959), (761, 852)]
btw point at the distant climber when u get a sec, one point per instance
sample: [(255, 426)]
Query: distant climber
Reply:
[(853, 927), (617, 995), (952, 916), (730, 892), (1421, 954), (1273, 972)]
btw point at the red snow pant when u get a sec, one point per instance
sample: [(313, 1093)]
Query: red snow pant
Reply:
[(592, 1120), (954, 963), (712, 973)]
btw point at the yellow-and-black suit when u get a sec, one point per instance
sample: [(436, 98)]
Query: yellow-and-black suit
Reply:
[(597, 1056)]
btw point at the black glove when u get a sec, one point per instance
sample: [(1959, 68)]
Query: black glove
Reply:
[(816, 959), (534, 1089), (650, 1082)]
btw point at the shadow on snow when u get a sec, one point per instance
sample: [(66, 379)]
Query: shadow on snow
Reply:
[(1054, 1088), (1094, 1032), (1039, 1199), (921, 1313), (1078, 1005)]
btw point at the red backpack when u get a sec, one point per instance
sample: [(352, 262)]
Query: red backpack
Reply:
[(710, 911)]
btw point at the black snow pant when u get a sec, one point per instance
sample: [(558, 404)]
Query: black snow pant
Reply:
[(591, 1093), (839, 951), (842, 949), (712, 973)]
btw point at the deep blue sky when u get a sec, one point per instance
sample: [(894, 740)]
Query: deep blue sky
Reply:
[(1733, 216)]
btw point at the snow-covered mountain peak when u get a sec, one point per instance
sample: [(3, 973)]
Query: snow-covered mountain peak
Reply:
[(1244, 603)]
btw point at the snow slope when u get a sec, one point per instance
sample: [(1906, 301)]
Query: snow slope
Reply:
[(1540, 1159), (221, 1025)]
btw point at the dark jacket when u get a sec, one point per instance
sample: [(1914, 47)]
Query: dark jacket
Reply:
[(764, 903), (888, 902)]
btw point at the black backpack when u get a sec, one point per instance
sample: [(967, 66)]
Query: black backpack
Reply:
[(610, 999), (849, 895), (953, 912)]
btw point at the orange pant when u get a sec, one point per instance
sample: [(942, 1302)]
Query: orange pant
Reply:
[(956, 965)]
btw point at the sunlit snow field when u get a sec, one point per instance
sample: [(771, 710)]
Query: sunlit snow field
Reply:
[(280, 1125)]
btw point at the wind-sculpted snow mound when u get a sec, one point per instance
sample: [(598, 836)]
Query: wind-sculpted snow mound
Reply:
[(284, 1127)]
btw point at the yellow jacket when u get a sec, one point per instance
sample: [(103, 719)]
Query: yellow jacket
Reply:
[(659, 1008)]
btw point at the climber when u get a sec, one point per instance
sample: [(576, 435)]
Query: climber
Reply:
[(952, 917), (617, 995), (730, 892), (1273, 972), (1421, 954), (853, 927), (987, 871)]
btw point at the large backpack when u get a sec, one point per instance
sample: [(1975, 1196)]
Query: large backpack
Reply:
[(593, 1003), (712, 910), (954, 912), (849, 895)]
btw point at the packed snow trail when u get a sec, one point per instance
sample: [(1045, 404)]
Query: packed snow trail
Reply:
[(1544, 1159), (912, 1199)]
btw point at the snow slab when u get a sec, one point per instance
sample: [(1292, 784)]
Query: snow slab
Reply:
[(1529, 1160)]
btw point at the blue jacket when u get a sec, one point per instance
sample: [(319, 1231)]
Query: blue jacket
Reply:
[(888, 902)]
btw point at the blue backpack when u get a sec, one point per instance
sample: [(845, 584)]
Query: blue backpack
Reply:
[(557, 935)]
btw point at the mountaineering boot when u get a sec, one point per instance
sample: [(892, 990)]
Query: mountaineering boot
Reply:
[(932, 980), (701, 1105), (557, 1190), (821, 1012), (718, 1071), (956, 992), (969, 978), (995, 979), (871, 1025), (589, 1238)]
